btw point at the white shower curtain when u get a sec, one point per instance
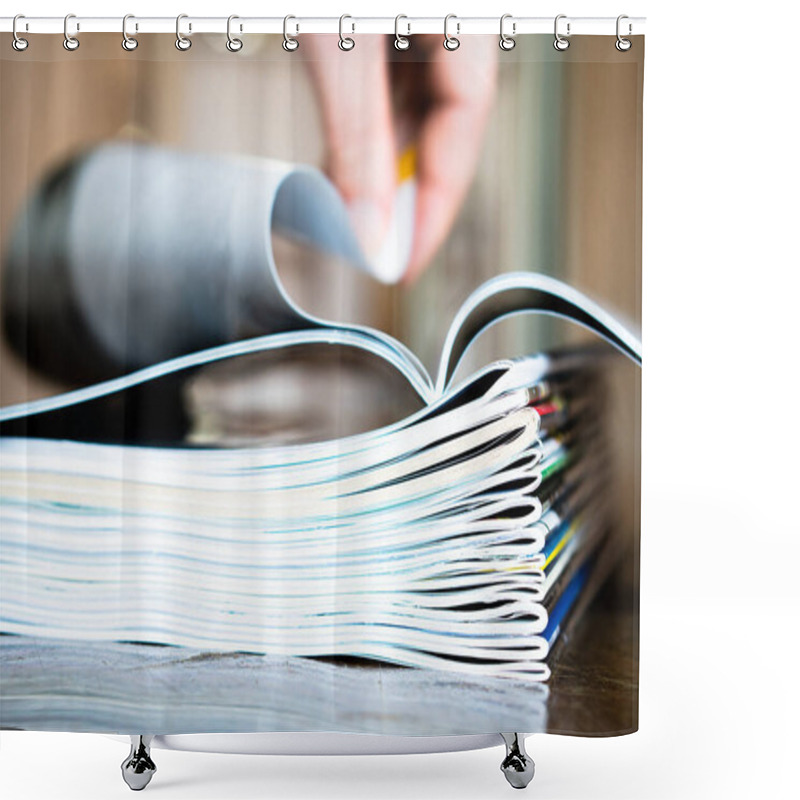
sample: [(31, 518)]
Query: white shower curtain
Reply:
[(320, 383)]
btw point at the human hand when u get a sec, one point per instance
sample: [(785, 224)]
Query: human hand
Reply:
[(373, 106)]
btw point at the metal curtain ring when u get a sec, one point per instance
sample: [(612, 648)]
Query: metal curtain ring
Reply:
[(560, 43), (70, 42), (623, 45), (401, 42), (290, 43), (181, 42), (345, 42), (18, 43), (233, 44), (451, 42), (507, 42), (128, 42)]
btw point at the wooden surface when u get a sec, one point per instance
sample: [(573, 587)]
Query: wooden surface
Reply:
[(594, 687)]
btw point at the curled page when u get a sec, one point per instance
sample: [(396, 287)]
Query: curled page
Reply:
[(528, 293), (136, 262), (132, 255)]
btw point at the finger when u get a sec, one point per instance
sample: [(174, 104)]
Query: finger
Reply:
[(353, 90), (449, 144)]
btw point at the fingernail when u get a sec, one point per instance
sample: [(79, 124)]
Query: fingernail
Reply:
[(369, 223)]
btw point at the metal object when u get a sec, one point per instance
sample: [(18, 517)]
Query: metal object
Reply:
[(290, 43), (346, 42), (507, 42), (234, 45), (18, 43), (138, 768), (470, 26), (70, 42), (517, 766), (401, 42), (128, 42), (451, 42), (622, 44), (181, 42), (560, 43)]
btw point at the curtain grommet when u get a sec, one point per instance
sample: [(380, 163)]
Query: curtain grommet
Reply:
[(182, 42), (129, 43), (233, 44), (401, 43), (71, 43), (17, 42), (561, 43), (622, 44), (290, 43), (507, 42), (346, 43), (451, 43)]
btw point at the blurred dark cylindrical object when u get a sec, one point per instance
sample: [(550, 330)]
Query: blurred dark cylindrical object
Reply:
[(132, 254)]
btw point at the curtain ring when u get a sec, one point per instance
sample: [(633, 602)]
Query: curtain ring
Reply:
[(345, 42), (70, 42), (128, 42), (233, 44), (451, 42), (290, 43), (401, 42), (181, 42), (623, 45), (507, 42), (560, 43), (18, 43)]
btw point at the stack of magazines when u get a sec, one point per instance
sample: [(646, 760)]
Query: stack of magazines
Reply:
[(462, 537)]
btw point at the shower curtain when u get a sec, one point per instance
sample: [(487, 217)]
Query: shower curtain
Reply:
[(320, 383)]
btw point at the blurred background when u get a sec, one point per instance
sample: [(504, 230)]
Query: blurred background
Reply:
[(557, 189)]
